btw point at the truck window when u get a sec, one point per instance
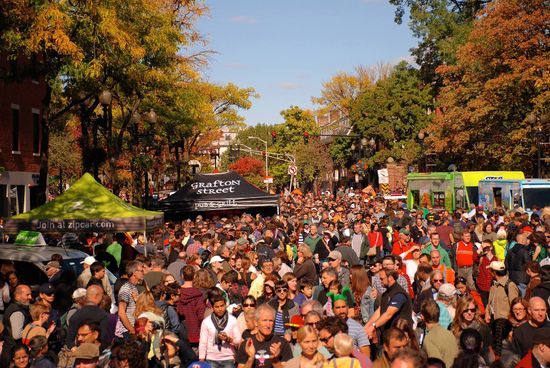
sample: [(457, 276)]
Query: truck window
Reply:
[(473, 195), (439, 199), (416, 198), (497, 197), (536, 196)]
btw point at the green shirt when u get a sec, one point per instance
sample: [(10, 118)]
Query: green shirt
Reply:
[(441, 343), (445, 259), (115, 250), (312, 242)]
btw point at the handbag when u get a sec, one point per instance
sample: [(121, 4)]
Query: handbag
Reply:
[(372, 250)]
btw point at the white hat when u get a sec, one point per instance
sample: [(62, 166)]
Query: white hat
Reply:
[(447, 290), (89, 260), (79, 293), (216, 259), (497, 266)]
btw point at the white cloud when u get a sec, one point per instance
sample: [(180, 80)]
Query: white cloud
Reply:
[(289, 85), (242, 19)]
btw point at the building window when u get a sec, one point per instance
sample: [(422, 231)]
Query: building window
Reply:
[(35, 132), (15, 129)]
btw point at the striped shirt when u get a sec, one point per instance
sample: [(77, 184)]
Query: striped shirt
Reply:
[(127, 293), (279, 328)]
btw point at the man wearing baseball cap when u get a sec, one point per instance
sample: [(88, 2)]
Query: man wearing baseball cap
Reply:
[(86, 275), (501, 294), (335, 260)]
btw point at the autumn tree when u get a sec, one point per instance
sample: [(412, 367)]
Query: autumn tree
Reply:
[(251, 168), (340, 91), (392, 112), (79, 48), (441, 27), (501, 77)]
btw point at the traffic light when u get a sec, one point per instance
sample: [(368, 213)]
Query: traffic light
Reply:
[(234, 153), (273, 137), (306, 137)]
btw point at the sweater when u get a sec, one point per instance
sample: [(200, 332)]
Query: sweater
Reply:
[(191, 307), (208, 349)]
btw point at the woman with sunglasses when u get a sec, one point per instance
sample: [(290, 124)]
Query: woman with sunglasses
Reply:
[(468, 317), (284, 310), (464, 290), (249, 303)]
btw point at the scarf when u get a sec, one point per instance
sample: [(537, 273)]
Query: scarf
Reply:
[(219, 324)]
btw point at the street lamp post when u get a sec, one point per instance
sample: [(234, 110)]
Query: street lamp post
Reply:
[(105, 99), (422, 137), (540, 121), (266, 163), (151, 118)]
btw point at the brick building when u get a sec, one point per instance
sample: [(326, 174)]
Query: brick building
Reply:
[(21, 112)]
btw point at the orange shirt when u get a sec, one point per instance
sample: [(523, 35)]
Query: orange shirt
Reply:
[(448, 272)]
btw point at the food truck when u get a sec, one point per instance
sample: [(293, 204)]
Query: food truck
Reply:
[(450, 190), (510, 194)]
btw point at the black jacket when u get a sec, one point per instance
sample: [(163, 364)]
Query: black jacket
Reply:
[(88, 313), (516, 259), (9, 342)]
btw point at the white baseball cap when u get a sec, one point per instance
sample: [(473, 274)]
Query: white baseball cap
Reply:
[(89, 260)]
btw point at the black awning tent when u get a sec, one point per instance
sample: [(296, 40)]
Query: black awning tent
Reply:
[(217, 192)]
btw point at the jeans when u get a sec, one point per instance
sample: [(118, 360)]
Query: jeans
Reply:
[(221, 363)]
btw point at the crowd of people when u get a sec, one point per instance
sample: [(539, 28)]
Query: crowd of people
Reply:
[(344, 280)]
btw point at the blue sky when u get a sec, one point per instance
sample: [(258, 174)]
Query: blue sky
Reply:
[(287, 49)]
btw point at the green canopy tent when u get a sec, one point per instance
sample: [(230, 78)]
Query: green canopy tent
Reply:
[(86, 206)]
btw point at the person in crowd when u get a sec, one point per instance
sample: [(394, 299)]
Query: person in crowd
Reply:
[(516, 260), (445, 299), (539, 354), (191, 305), (219, 335), (99, 277), (522, 339), (349, 256), (462, 289), (394, 341), (470, 355), (468, 317), (38, 348), (435, 244), (264, 349), (16, 317), (466, 257), (40, 314), (127, 297), (20, 357), (86, 275), (533, 271), (328, 275), (439, 342), (308, 339), (355, 329), (448, 273), (257, 287), (430, 290), (305, 269), (485, 278), (284, 308), (335, 261), (294, 293), (502, 343), (364, 295), (249, 304), (518, 311), (394, 304), (502, 292)]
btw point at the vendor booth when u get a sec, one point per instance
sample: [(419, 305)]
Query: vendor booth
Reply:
[(220, 192), (86, 206)]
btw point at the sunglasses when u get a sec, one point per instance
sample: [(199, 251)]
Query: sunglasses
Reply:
[(437, 280), (471, 310), (461, 280), (313, 324), (326, 339), (284, 290), (249, 305)]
